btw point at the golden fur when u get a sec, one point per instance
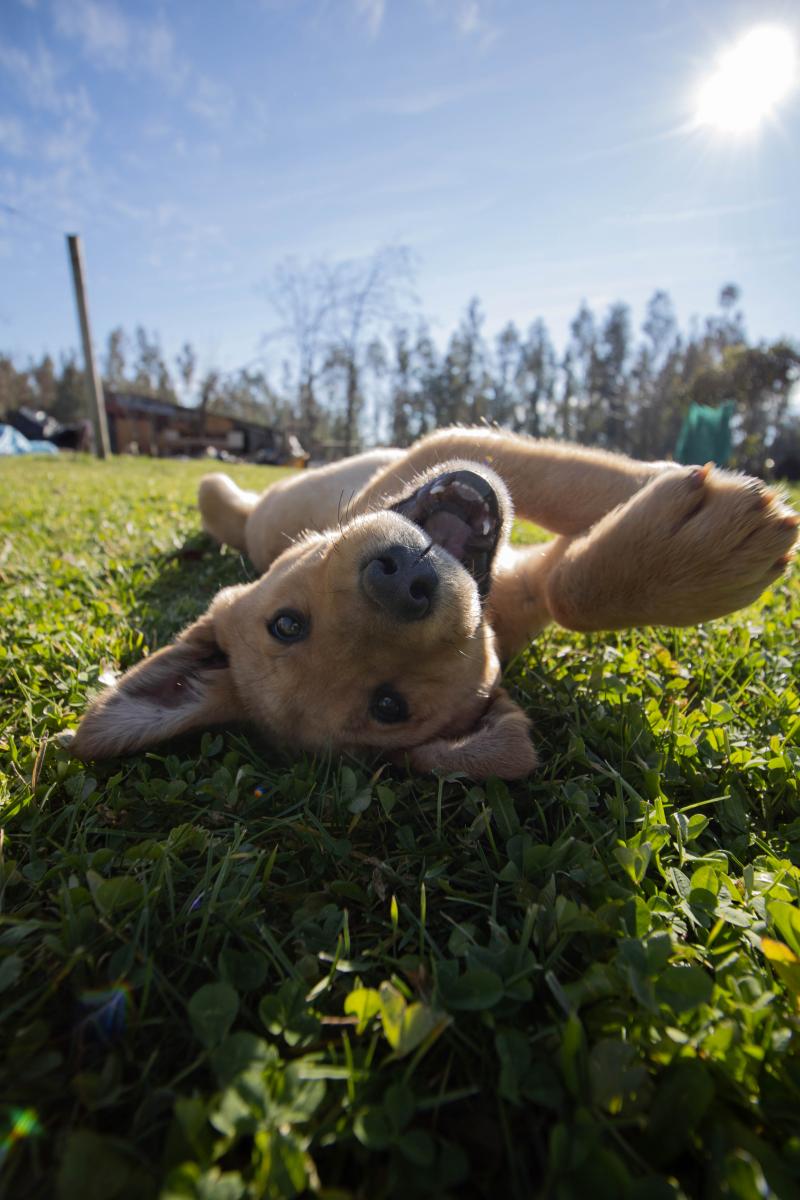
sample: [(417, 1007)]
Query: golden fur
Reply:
[(637, 544)]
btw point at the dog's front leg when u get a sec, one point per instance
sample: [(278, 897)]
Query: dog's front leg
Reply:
[(518, 604), (694, 544), (563, 488)]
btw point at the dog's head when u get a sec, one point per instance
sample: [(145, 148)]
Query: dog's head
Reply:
[(372, 635)]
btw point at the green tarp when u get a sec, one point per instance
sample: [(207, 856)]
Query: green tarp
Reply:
[(706, 435)]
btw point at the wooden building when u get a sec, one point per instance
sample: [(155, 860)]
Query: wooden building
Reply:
[(140, 424)]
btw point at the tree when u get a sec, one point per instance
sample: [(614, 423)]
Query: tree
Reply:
[(612, 384), (245, 394), (583, 369), (377, 366), (302, 298), (726, 328), (186, 362), (762, 380), (45, 384), (329, 318), (365, 301), (660, 326), (353, 365), (150, 372), (431, 382), (402, 385), (568, 387), (116, 351), (210, 389), (504, 407), (536, 377), (759, 379), (15, 389), (71, 403), (658, 406), (785, 451), (466, 388)]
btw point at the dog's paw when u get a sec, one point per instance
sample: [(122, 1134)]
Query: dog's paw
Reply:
[(696, 543), (727, 537)]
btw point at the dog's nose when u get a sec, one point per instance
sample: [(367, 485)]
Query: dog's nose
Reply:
[(402, 582)]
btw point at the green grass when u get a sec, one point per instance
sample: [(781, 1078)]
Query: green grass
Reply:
[(226, 972)]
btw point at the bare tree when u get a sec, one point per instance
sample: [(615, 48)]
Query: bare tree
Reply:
[(330, 317), (186, 362), (302, 297), (209, 389), (116, 353), (150, 372), (369, 295)]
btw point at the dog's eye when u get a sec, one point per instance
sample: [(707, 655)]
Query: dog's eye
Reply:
[(288, 626), (388, 706)]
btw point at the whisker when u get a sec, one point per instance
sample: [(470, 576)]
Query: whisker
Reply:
[(339, 512)]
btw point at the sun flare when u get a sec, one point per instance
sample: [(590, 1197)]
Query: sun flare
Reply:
[(748, 82)]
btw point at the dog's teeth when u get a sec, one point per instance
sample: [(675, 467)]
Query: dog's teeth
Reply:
[(465, 492)]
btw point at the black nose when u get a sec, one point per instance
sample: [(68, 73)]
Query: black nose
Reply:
[(402, 582)]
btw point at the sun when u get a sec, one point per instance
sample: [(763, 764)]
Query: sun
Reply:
[(748, 82)]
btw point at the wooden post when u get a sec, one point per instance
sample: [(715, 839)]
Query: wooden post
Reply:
[(95, 383)]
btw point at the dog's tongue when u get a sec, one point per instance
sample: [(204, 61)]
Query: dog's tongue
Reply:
[(449, 532)]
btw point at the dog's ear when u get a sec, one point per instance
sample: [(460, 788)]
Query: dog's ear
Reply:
[(181, 687), (499, 745)]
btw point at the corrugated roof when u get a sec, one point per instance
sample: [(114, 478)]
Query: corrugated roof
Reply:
[(139, 402)]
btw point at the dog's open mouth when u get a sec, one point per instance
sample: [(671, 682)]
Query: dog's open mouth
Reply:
[(460, 512)]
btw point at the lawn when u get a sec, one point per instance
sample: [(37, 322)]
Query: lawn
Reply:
[(226, 972)]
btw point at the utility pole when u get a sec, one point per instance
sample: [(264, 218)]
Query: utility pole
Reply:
[(95, 383)]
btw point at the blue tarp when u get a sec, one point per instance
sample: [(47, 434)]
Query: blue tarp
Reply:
[(14, 442)]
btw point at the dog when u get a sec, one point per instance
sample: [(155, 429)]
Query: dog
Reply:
[(390, 596)]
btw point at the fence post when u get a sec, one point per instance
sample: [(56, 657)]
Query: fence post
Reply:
[(95, 383)]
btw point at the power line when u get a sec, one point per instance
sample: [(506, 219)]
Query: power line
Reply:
[(13, 211)]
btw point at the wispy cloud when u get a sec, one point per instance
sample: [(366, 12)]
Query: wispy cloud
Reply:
[(212, 101), (630, 146), (70, 117), (37, 77), (110, 39), (158, 55), (417, 101), (678, 216), (372, 12), (105, 34), (12, 136), (420, 103), (469, 17), (68, 144)]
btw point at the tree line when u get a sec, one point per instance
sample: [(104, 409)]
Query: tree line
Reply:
[(348, 361)]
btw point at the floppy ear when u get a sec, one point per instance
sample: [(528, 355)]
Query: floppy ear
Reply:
[(499, 745), (181, 687)]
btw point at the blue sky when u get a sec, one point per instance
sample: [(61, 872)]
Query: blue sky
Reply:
[(532, 153)]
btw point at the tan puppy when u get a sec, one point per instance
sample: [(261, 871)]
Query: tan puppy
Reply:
[(390, 594)]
